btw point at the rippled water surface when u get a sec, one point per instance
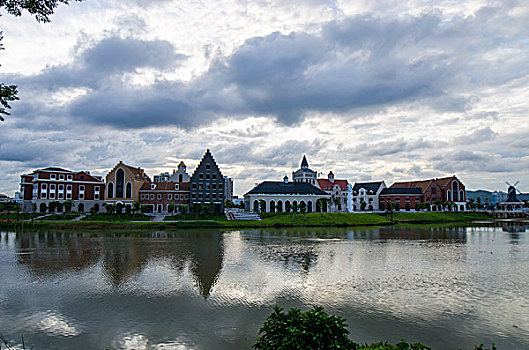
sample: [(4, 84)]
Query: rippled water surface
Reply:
[(449, 288)]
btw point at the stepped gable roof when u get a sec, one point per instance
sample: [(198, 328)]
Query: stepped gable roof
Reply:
[(206, 157), (401, 191), (424, 184), (165, 186), (280, 187), (3, 196), (325, 183), (368, 186)]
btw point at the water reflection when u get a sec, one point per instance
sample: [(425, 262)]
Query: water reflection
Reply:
[(123, 258), (212, 290)]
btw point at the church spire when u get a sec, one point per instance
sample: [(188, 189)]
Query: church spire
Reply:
[(304, 163)]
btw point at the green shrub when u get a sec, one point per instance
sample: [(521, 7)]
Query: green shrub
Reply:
[(313, 329)]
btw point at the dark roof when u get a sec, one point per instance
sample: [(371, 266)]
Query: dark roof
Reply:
[(277, 187), (56, 169), (401, 190), (304, 163), (512, 198), (369, 186)]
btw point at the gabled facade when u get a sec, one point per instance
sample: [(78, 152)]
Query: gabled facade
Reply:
[(159, 196), (304, 173), (446, 189), (80, 189), (207, 185), (338, 190), (123, 184), (368, 193)]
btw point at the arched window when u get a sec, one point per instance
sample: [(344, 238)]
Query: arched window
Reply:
[(309, 207), (461, 195), (180, 178), (272, 207), (449, 196), (455, 191), (279, 206), (120, 183), (128, 190), (110, 190), (255, 206)]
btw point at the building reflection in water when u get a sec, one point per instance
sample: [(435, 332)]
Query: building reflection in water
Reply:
[(123, 257)]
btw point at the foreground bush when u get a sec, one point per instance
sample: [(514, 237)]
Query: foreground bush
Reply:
[(317, 330)]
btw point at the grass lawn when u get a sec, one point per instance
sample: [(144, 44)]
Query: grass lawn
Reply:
[(21, 216), (219, 217), (411, 217), (117, 217), (65, 217)]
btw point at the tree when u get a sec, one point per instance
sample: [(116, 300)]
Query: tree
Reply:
[(68, 205), (136, 206), (313, 329), (171, 207), (363, 205), (302, 207), (42, 10)]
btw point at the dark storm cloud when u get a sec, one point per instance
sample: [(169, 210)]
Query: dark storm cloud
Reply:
[(355, 63), (95, 66)]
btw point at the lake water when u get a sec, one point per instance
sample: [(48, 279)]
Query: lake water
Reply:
[(449, 288)]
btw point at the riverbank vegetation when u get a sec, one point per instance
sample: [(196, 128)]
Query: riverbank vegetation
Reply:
[(315, 329), (128, 220)]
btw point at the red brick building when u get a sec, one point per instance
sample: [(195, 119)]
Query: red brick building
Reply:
[(447, 189), (405, 198), (158, 195), (43, 186)]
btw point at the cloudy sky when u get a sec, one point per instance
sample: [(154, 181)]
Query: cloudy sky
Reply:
[(372, 90)]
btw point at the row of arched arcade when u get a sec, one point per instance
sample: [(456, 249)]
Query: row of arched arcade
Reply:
[(280, 206)]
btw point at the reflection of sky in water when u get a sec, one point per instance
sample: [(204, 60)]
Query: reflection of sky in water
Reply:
[(206, 289)]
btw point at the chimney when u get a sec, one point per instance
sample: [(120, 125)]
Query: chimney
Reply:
[(330, 177)]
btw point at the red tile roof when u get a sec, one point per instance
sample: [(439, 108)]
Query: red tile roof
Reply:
[(324, 183), (423, 184)]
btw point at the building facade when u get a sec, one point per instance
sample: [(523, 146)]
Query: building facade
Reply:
[(207, 185), (165, 197), (338, 190), (276, 196), (75, 190), (304, 173), (435, 191), (366, 195), (403, 198), (124, 183)]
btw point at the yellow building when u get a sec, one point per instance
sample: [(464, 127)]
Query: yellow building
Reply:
[(123, 184)]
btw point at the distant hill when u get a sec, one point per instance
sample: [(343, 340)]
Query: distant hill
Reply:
[(486, 196)]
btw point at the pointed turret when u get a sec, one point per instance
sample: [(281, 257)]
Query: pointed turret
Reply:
[(304, 163)]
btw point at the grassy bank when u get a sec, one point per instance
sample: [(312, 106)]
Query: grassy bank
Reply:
[(435, 217), (123, 221)]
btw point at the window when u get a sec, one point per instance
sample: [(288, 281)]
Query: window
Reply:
[(61, 177), (169, 196), (214, 186), (128, 190), (120, 183), (220, 186), (52, 191), (194, 186), (434, 190), (207, 176), (407, 199), (69, 177), (43, 191), (152, 195), (53, 176), (182, 196), (177, 187), (81, 192), (397, 199), (60, 195), (200, 186), (200, 176), (96, 193), (153, 186), (208, 166), (187, 196), (158, 196), (214, 176), (110, 190)]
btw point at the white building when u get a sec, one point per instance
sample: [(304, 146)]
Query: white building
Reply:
[(368, 193), (276, 196), (304, 174)]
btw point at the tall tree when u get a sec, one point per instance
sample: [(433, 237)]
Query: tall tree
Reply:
[(42, 10)]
